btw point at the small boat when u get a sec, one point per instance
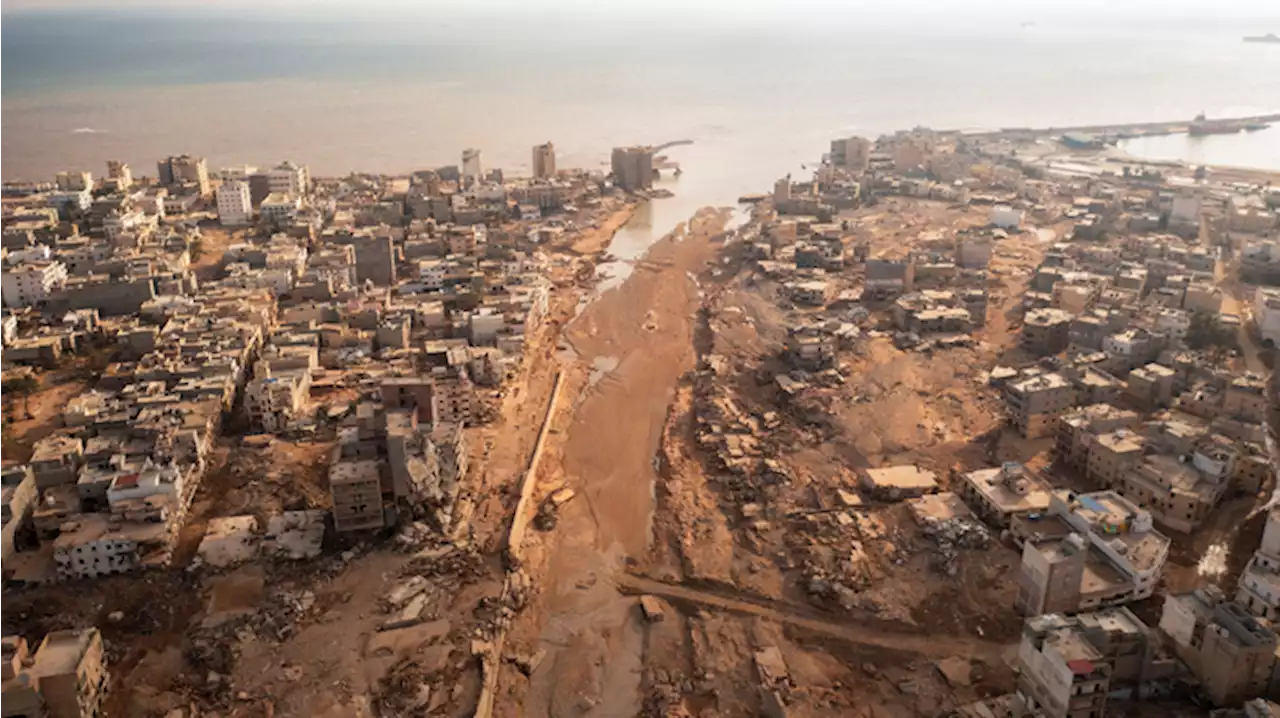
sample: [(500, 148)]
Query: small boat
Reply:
[(1255, 126)]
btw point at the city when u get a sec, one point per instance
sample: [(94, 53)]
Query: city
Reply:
[(970, 424)]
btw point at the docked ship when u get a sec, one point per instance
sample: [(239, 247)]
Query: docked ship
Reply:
[(1202, 126), (1269, 37)]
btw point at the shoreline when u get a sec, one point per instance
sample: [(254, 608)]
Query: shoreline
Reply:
[(597, 240)]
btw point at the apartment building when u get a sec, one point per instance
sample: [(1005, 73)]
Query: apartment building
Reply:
[(1259, 590), (277, 400), (1151, 387), (356, 489), (279, 209), (1111, 456), (544, 161), (65, 678), (1078, 428), (32, 283), (1035, 404), (1068, 666), (1266, 312), (184, 170), (1087, 551), (234, 206), (288, 179), (1245, 398), (1046, 331), (1228, 650), (1180, 493), (998, 495), (79, 181)]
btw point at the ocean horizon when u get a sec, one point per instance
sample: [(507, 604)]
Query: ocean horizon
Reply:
[(355, 92)]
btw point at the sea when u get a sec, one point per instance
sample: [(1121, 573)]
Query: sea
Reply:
[(759, 87)]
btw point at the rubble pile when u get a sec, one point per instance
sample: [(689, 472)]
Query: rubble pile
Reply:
[(835, 565), (951, 535)]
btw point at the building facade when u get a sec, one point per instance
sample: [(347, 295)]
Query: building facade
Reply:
[(235, 209)]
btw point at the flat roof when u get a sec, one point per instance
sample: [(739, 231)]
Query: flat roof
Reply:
[(907, 476), (1121, 441), (988, 482), (61, 651)]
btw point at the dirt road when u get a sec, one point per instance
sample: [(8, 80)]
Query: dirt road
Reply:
[(932, 645), (632, 345)]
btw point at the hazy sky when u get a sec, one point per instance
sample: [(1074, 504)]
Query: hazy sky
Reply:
[(1156, 9)]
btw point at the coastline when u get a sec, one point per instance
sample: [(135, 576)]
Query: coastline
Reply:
[(598, 239)]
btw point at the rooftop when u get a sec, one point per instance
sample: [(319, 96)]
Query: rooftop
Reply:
[(61, 651), (906, 476), (1041, 382), (1011, 494)]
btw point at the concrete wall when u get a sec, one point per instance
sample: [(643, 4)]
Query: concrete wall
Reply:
[(109, 298)]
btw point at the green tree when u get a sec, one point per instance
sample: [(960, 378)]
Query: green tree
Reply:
[(1206, 331)]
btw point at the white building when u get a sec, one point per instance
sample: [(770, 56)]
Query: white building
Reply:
[(234, 206), (239, 172), (119, 171), (133, 222), (289, 179), (36, 253), (279, 208), (1259, 590), (471, 165), (32, 283), (432, 273), (1006, 217), (74, 181), (1266, 312), (1174, 323)]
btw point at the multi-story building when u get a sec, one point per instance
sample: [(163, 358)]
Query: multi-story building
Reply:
[(118, 170), (1180, 493), (1034, 404), (74, 181), (1068, 665), (31, 283), (375, 260), (411, 392), (471, 170), (235, 209), (1229, 650), (66, 678), (1079, 427), (999, 494), (544, 161), (851, 152), (356, 490), (1246, 399), (1259, 590), (1112, 455), (1086, 552), (275, 401), (1266, 312), (184, 170), (632, 168), (279, 209), (1151, 386), (289, 179), (1046, 331)]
